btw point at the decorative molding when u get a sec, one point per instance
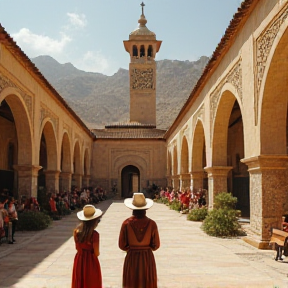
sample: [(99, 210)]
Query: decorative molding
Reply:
[(263, 47), (233, 77), (200, 114), (142, 79), (68, 128), (6, 82), (47, 113)]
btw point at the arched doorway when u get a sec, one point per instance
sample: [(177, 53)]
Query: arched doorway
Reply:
[(130, 181), (8, 154), (238, 177), (199, 175), (228, 149), (42, 163)]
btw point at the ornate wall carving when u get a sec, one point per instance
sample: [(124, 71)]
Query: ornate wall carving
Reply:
[(263, 47), (68, 128), (142, 79), (198, 115), (234, 77), (6, 82), (47, 113)]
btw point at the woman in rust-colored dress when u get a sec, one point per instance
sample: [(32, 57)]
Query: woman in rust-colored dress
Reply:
[(86, 268), (139, 237)]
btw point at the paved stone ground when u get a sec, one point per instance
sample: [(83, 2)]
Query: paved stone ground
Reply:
[(187, 257)]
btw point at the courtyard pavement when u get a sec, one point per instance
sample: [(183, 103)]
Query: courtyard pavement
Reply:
[(187, 257)]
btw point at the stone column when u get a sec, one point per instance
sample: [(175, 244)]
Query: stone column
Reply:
[(65, 181), (27, 180), (184, 181), (217, 181), (197, 180), (78, 179), (52, 181), (175, 182), (86, 180), (268, 195), (169, 181)]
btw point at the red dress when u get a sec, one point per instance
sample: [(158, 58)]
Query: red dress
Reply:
[(139, 237), (86, 268)]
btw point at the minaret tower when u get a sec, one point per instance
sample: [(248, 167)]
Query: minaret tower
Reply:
[(142, 47)]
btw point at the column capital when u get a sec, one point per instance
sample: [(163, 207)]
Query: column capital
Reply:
[(65, 174), (22, 168), (185, 176), (266, 162), (218, 170), (197, 174), (51, 172), (78, 175)]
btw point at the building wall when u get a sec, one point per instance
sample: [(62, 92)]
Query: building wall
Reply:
[(111, 156), (36, 110), (253, 72)]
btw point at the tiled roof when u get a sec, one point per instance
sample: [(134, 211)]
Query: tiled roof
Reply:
[(130, 125), (237, 22), (11, 45), (129, 133)]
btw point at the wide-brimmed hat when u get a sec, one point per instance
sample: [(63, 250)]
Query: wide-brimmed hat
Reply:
[(138, 202), (89, 212)]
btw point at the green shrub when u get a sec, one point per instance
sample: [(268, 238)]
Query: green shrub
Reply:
[(222, 223), (33, 221), (161, 200), (225, 200), (175, 205), (198, 214)]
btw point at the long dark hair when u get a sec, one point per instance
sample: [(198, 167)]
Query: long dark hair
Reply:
[(85, 229), (139, 213)]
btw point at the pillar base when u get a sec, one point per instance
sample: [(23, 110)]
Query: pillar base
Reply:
[(257, 243)]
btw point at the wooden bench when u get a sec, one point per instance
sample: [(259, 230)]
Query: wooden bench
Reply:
[(278, 241), (279, 237)]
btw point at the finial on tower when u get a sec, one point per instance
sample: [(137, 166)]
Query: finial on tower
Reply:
[(142, 4)]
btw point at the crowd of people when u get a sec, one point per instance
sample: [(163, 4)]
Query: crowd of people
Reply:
[(56, 204), (8, 215), (187, 198), (76, 199)]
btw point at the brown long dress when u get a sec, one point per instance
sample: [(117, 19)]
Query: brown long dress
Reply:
[(139, 237)]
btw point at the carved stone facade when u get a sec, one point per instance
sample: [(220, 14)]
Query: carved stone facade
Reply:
[(249, 140), (142, 79), (264, 44), (233, 77), (109, 159)]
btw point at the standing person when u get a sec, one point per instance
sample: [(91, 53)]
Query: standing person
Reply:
[(13, 217), (139, 237), (86, 268)]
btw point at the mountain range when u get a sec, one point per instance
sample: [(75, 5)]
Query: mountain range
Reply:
[(100, 100)]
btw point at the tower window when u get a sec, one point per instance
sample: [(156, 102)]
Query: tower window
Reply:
[(150, 51), (142, 51), (135, 51)]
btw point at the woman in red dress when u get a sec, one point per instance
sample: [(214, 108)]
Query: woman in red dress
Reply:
[(139, 237), (86, 268)]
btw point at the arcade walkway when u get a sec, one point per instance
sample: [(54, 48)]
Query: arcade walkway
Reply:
[(187, 257)]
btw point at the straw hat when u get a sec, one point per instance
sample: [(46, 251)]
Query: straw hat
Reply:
[(89, 212), (138, 202)]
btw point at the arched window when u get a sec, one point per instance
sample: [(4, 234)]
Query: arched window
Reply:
[(142, 51), (135, 51), (150, 51)]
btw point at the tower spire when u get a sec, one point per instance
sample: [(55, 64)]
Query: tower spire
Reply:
[(142, 4)]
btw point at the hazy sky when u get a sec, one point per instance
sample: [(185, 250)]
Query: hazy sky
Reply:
[(90, 33)]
